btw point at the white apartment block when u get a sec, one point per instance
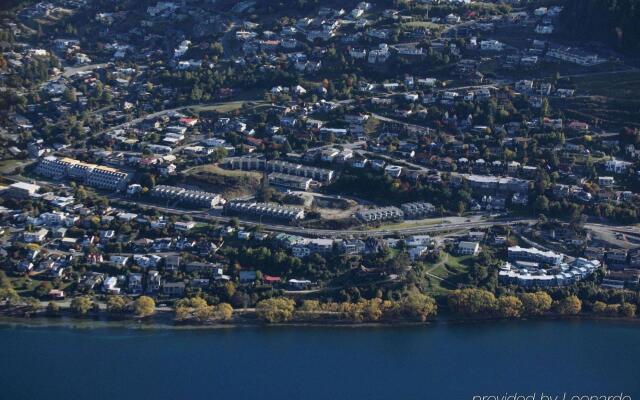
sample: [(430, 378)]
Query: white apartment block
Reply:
[(97, 176), (283, 167), (380, 214), (189, 197), (265, 210)]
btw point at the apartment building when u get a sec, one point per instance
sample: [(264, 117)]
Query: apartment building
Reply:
[(102, 177), (98, 176), (616, 259), (321, 175), (265, 210), (21, 190), (497, 184), (417, 210), (517, 253), (573, 55), (193, 198), (380, 214), (292, 181), (312, 246), (247, 163), (468, 248), (318, 174), (562, 275)]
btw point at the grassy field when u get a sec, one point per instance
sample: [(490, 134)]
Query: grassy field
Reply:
[(231, 183), (450, 271), (457, 265), (221, 108), (216, 170), (8, 166), (423, 24)]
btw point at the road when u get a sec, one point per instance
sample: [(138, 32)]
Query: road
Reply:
[(429, 227)]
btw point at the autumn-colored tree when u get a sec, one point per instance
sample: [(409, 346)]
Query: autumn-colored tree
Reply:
[(81, 305), (599, 307), (509, 307), (277, 309), (224, 311), (536, 303), (144, 306), (419, 306), (117, 304), (472, 302), (570, 305), (310, 306), (628, 310)]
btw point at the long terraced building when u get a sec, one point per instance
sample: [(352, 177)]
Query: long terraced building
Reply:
[(97, 176)]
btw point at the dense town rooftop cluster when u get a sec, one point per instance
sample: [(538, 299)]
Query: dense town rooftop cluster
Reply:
[(235, 151)]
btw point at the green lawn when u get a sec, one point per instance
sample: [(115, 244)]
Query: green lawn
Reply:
[(221, 108), (9, 165), (436, 287), (449, 271), (423, 24), (459, 264), (23, 285)]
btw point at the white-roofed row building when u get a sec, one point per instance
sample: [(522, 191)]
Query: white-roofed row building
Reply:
[(265, 210), (321, 175), (93, 175), (418, 209), (380, 214), (565, 274), (517, 253), (194, 198)]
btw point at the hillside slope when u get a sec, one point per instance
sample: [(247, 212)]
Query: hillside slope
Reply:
[(615, 22)]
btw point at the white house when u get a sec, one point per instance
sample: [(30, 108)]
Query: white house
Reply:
[(606, 181), (617, 166), (36, 236), (468, 248), (491, 45)]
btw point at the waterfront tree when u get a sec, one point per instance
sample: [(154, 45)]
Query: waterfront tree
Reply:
[(628, 310), (224, 311), (536, 303), (81, 305), (509, 307), (277, 309), (570, 305), (418, 306), (471, 302), (144, 306), (117, 304)]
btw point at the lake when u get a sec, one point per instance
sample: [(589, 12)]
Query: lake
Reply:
[(433, 362)]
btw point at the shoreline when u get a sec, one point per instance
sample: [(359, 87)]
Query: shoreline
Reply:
[(134, 324)]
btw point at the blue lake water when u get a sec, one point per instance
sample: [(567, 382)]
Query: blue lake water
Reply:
[(434, 362)]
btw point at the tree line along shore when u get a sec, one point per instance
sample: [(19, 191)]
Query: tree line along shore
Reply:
[(413, 306)]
